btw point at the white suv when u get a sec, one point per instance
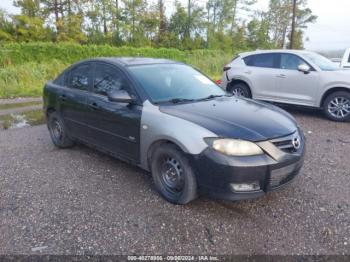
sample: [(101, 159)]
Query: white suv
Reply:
[(292, 77)]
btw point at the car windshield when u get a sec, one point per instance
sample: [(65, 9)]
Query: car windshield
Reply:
[(175, 83), (322, 62)]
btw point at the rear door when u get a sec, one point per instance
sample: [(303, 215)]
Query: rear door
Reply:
[(73, 100), (294, 86), (261, 72), (113, 126)]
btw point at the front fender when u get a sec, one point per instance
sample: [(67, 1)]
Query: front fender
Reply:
[(336, 85), (158, 126)]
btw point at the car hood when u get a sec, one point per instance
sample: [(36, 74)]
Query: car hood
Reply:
[(339, 75), (232, 117)]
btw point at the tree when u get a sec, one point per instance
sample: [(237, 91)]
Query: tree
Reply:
[(178, 25), (133, 12), (30, 8), (71, 30), (239, 37), (280, 19), (216, 24), (6, 26), (303, 17), (162, 20), (29, 29), (293, 24), (234, 7)]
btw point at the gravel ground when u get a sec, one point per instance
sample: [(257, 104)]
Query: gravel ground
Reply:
[(78, 201)]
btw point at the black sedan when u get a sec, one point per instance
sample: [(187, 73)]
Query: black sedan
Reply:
[(173, 121)]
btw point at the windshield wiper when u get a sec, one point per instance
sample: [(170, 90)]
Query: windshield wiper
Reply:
[(209, 97), (180, 100)]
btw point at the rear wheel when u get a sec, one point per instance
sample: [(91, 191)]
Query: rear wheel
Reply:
[(58, 132), (337, 106), (173, 175), (240, 90)]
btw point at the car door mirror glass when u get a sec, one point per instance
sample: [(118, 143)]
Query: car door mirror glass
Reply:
[(120, 96), (304, 68)]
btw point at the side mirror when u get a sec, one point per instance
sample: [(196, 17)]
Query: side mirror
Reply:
[(304, 68), (120, 96)]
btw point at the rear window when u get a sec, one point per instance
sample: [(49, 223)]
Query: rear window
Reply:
[(262, 60), (60, 80), (234, 58)]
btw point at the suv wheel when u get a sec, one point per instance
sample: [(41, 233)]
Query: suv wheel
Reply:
[(337, 106), (173, 175), (240, 89), (58, 132)]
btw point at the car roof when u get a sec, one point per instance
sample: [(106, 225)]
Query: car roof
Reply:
[(288, 51), (132, 61)]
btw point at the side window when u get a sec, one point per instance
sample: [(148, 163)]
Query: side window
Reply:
[(262, 60), (79, 77), (349, 58), (291, 62), (249, 60), (108, 78), (60, 80)]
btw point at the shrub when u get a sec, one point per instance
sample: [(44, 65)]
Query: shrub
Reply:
[(25, 67)]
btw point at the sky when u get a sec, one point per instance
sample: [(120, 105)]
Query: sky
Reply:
[(330, 32)]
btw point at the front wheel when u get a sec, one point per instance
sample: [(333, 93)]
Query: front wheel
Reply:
[(173, 175), (337, 106), (58, 132)]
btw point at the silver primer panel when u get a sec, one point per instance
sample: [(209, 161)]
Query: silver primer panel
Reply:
[(157, 126)]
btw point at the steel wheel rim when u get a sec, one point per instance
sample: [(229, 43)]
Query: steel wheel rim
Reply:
[(238, 92), (56, 130), (172, 175), (339, 107)]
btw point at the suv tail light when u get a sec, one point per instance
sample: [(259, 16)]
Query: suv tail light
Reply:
[(226, 68)]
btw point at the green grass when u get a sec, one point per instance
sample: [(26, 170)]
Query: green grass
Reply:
[(18, 105), (24, 68), (27, 80)]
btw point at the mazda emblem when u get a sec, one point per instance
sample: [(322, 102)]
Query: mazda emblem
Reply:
[(296, 143)]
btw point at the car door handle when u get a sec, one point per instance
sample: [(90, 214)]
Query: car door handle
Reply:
[(94, 106), (63, 97), (281, 76)]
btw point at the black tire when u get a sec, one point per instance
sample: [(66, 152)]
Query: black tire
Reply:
[(173, 175), (336, 107), (240, 89), (58, 132)]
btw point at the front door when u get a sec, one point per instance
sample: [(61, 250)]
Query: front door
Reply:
[(294, 86), (113, 126)]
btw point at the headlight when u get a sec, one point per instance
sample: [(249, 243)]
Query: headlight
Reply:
[(235, 147)]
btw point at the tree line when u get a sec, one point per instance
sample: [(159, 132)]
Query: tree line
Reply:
[(192, 24)]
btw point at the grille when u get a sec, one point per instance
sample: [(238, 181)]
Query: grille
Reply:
[(286, 143)]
